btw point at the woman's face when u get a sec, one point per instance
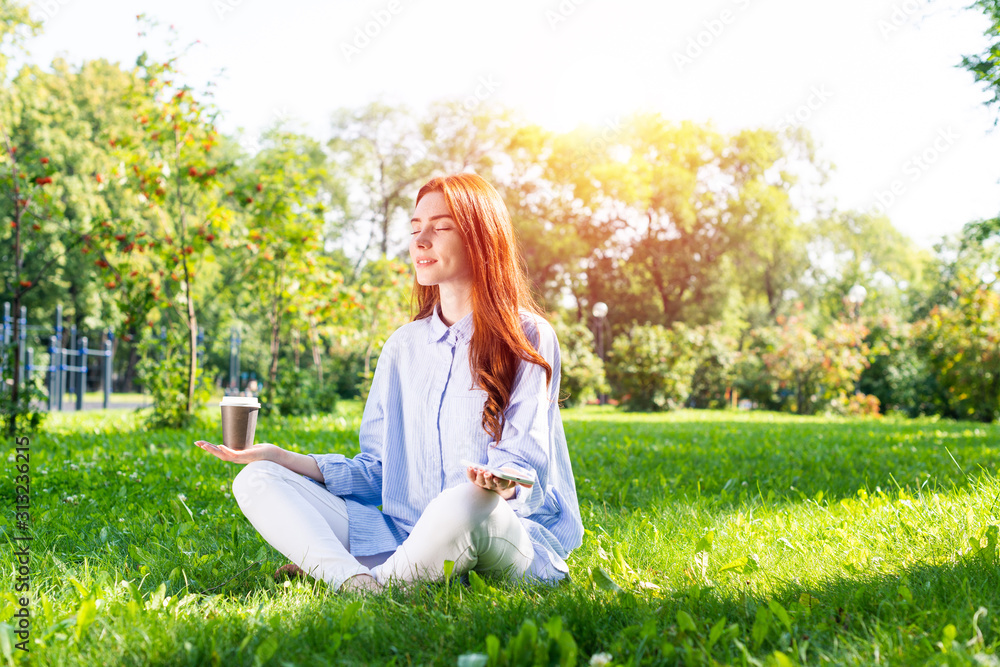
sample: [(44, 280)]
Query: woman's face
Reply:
[(439, 255)]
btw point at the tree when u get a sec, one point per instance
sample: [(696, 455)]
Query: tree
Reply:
[(864, 249), (154, 253), (380, 151), (985, 66), (284, 193)]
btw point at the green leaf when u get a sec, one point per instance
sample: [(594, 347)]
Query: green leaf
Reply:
[(685, 622), (781, 660), (603, 580), (477, 584), (716, 632), (493, 648), (705, 543), (265, 650), (761, 625), (85, 615), (780, 613), (741, 565)]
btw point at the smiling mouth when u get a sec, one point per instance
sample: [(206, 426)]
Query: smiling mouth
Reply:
[(425, 262)]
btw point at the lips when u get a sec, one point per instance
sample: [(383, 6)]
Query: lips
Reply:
[(424, 261)]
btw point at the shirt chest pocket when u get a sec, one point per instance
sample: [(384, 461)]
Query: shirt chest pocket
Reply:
[(462, 430)]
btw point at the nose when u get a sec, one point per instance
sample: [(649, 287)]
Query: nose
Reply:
[(422, 239)]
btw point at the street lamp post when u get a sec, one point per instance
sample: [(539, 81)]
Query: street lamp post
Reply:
[(600, 313)]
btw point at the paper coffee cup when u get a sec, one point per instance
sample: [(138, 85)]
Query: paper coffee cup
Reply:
[(239, 420)]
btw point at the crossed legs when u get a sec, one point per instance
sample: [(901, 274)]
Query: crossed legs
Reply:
[(466, 524)]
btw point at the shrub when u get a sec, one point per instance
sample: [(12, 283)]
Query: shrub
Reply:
[(814, 370), (855, 405), (582, 370), (897, 375), (298, 392), (961, 346), (163, 371), (25, 415), (651, 368), (716, 355)]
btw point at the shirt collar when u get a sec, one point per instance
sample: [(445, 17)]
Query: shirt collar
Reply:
[(439, 331)]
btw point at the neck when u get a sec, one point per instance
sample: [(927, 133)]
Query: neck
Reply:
[(456, 302)]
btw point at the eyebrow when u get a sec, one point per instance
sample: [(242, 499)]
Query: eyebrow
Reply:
[(432, 218)]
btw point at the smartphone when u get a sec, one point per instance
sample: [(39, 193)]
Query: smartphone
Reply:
[(517, 477)]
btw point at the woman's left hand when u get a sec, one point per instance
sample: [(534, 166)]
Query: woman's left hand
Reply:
[(480, 477)]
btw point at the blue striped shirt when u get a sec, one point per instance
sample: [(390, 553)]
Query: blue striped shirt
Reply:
[(423, 416)]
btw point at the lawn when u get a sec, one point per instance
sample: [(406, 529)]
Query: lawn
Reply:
[(712, 537)]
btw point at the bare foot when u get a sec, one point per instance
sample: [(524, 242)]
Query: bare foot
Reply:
[(289, 571), (361, 583)]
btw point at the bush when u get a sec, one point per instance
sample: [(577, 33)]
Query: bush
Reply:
[(25, 415), (961, 346), (855, 405), (163, 370), (812, 371), (583, 375), (716, 355), (651, 368), (753, 380), (344, 374), (897, 375), (298, 392)]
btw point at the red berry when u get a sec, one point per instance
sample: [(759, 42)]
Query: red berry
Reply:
[(259, 187), (210, 237), (45, 160), (192, 172), (25, 283), (99, 177)]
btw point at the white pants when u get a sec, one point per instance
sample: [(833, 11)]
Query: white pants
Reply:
[(466, 524)]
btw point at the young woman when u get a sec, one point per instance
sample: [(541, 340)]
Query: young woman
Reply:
[(474, 377)]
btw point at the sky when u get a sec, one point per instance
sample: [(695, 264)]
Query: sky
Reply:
[(874, 81)]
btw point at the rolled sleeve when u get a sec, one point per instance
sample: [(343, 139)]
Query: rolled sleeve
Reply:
[(359, 477)]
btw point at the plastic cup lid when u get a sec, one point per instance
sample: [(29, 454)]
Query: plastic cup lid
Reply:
[(244, 401)]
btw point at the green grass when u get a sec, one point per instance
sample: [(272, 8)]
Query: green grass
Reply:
[(712, 537)]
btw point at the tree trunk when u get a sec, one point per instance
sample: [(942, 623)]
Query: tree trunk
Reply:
[(16, 364), (314, 345), (275, 318)]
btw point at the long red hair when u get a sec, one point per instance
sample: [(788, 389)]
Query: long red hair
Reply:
[(499, 291)]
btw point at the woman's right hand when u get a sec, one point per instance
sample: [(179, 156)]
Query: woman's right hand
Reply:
[(300, 463), (262, 452)]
